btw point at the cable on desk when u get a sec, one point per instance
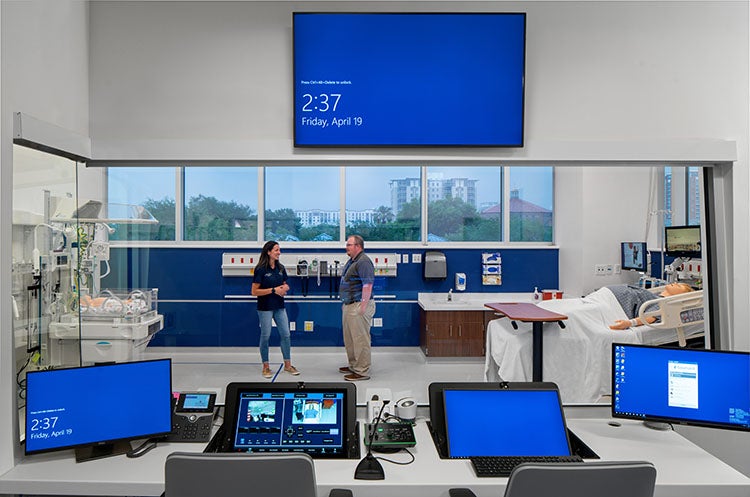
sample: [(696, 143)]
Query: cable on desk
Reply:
[(400, 463), (145, 447)]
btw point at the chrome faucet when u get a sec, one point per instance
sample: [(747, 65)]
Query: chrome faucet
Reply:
[(450, 295)]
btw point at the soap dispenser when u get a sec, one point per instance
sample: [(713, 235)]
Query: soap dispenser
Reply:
[(536, 294)]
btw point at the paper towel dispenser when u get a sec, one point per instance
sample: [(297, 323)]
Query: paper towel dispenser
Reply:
[(435, 266)]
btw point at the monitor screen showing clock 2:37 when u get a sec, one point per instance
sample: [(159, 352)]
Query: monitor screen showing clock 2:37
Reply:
[(409, 79)]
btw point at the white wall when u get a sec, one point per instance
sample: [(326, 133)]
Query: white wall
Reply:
[(44, 73), (205, 80)]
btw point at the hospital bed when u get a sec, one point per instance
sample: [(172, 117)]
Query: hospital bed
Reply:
[(577, 357)]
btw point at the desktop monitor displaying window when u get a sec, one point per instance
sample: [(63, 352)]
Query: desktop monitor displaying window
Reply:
[(683, 241), (98, 409), (409, 79), (633, 256), (685, 386)]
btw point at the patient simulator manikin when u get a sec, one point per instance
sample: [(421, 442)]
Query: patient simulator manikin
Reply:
[(669, 291)]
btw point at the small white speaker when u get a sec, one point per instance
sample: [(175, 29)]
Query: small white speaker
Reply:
[(406, 409)]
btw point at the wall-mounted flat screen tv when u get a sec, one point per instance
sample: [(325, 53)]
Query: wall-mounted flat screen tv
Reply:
[(683, 241), (633, 256), (409, 79)]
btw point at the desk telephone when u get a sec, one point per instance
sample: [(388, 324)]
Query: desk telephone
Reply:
[(192, 417)]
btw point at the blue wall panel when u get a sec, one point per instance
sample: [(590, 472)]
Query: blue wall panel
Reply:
[(192, 294)]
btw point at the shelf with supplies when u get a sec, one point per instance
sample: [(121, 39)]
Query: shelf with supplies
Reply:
[(307, 265)]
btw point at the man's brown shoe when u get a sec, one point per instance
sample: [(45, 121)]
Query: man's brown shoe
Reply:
[(356, 377), (345, 369)]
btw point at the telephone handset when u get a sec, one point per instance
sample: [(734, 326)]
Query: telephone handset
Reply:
[(193, 417)]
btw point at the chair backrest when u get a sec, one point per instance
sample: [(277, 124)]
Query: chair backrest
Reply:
[(588, 479), (228, 474)]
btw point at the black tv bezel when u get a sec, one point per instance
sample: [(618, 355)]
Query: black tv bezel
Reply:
[(101, 443), (644, 269), (407, 145), (350, 437), (683, 253), (674, 420)]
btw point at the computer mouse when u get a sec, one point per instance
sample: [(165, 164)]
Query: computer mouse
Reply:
[(614, 423)]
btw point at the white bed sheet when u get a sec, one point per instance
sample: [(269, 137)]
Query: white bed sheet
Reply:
[(577, 357)]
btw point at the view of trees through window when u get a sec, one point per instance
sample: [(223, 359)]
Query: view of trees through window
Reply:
[(304, 203)]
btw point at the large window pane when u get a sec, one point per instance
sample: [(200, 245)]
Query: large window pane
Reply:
[(221, 203), (383, 203), (150, 187), (464, 204), (694, 196), (531, 204), (667, 196), (302, 203)]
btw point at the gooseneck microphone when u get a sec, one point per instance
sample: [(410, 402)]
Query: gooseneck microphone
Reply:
[(369, 468)]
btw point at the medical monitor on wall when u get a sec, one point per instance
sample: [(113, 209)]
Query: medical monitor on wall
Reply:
[(683, 241), (409, 79), (633, 256), (678, 385), (98, 409)]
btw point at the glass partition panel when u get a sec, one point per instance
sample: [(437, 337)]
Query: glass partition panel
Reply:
[(150, 188), (464, 204), (383, 203), (531, 204), (221, 203), (302, 204)]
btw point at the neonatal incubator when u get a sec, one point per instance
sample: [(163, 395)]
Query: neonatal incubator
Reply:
[(61, 315)]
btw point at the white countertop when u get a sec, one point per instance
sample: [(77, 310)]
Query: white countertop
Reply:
[(461, 301)]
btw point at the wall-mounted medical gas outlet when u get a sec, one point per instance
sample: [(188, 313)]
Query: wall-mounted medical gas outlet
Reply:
[(308, 265), (237, 264), (332, 264)]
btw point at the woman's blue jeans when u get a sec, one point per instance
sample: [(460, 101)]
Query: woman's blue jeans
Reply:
[(282, 323)]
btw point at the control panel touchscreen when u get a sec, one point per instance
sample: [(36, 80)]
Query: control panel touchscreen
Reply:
[(298, 421)]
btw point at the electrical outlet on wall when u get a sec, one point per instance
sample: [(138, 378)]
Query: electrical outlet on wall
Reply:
[(292, 326), (416, 258), (600, 270), (377, 322), (309, 326)]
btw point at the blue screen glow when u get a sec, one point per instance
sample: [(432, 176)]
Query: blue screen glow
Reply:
[(505, 423), (692, 386), (80, 406), (409, 79)]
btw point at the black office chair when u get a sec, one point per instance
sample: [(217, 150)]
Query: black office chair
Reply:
[(197, 474), (587, 479)]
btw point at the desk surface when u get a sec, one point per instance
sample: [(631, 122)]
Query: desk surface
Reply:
[(523, 311), (683, 468)]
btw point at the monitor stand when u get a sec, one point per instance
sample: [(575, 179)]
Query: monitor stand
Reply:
[(90, 452), (655, 425)]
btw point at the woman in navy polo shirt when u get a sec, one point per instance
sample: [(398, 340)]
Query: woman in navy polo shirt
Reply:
[(270, 286)]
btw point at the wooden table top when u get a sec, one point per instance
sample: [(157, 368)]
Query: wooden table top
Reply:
[(524, 311)]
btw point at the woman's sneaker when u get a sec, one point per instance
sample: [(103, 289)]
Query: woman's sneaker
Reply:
[(267, 373), (292, 371)]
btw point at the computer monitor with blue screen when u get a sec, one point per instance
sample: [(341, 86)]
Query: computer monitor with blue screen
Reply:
[(505, 422), (633, 256), (679, 385), (98, 410)]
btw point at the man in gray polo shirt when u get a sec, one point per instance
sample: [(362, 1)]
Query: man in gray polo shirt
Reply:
[(357, 310)]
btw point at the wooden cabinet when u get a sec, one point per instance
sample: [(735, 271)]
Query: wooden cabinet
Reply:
[(453, 333)]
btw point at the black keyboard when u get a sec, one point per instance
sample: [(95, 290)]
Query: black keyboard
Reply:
[(503, 465)]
